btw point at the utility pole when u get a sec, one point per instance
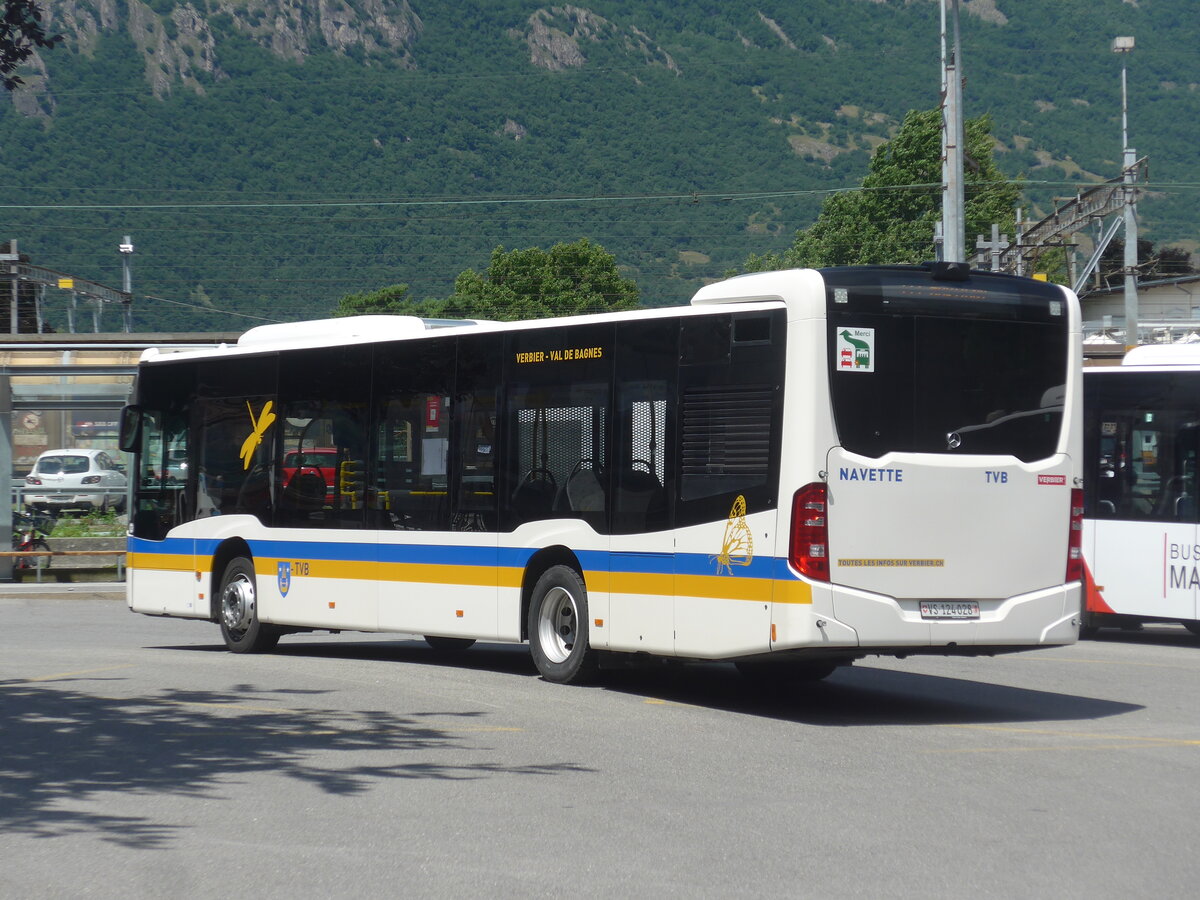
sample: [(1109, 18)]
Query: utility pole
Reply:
[(953, 218), (13, 258), (995, 247), (126, 250), (1124, 45)]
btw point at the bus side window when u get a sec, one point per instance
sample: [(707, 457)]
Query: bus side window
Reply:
[(411, 478), (323, 449), (160, 500), (556, 428), (557, 438), (644, 461), (475, 506), (414, 411), (730, 423)]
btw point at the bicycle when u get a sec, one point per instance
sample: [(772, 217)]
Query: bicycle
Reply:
[(29, 534)]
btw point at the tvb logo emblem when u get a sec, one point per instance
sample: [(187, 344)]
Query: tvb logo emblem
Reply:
[(284, 578)]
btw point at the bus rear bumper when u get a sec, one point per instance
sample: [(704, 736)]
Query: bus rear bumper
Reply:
[(1048, 617)]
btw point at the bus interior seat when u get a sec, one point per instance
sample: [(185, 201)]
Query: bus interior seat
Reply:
[(640, 495), (534, 496), (305, 492), (582, 491)]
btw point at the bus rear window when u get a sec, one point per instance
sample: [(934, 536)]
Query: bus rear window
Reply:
[(937, 374)]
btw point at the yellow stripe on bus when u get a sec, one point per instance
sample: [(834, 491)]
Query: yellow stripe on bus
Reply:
[(163, 562), (762, 590)]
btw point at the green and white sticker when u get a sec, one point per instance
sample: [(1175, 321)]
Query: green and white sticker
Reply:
[(855, 350)]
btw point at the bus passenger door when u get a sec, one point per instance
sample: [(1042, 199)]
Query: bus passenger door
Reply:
[(1145, 506), (730, 425), (433, 489), (642, 548), (640, 485), (160, 577)]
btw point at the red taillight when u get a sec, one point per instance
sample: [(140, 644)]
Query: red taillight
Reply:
[(30, 479), (1075, 538), (809, 548)]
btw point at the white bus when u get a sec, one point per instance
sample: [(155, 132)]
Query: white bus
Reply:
[(797, 470), (1142, 456)]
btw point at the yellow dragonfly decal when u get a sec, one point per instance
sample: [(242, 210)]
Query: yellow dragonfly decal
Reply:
[(738, 547), (265, 420)]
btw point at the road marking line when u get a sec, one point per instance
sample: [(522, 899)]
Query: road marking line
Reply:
[(1113, 741), (61, 675), (1132, 745), (1106, 662), (1075, 734)]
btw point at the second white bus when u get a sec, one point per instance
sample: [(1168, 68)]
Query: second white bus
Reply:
[(1142, 452)]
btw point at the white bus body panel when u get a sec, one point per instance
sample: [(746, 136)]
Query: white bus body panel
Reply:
[(907, 528), (159, 592), (422, 590), (723, 608), (1145, 568), (943, 527)]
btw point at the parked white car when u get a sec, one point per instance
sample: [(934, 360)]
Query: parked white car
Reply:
[(75, 479)]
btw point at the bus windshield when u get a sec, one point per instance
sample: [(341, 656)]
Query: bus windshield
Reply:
[(927, 367)]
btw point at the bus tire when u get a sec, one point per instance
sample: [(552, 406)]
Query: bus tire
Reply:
[(448, 644), (558, 627), (764, 672), (1193, 627), (238, 610)]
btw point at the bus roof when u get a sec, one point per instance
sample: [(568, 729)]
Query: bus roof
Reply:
[(372, 329), (1163, 355)]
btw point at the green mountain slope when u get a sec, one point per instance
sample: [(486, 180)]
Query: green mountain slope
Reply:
[(268, 157)]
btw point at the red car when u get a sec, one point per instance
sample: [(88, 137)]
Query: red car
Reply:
[(321, 461)]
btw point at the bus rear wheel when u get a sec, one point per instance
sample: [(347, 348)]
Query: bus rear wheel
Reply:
[(1193, 627), (238, 611), (558, 627)]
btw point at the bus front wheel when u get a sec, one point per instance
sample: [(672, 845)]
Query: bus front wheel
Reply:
[(238, 612), (558, 627)]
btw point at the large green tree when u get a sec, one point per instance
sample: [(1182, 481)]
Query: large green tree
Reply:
[(890, 218), (20, 32), (567, 279), (388, 301)]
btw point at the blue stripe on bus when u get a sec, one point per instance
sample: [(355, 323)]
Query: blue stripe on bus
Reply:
[(629, 562)]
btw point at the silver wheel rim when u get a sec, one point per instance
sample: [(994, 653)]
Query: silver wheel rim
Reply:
[(237, 603), (558, 624)]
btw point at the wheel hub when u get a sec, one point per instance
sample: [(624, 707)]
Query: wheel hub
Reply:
[(559, 624), (237, 604)]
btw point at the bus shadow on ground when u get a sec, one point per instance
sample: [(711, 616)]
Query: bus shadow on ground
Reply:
[(853, 695), (861, 695), (1160, 635)]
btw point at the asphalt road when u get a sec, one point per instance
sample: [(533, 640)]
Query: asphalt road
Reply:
[(139, 759)]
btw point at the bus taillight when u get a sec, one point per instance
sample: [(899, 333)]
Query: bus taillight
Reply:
[(1075, 538), (809, 548)]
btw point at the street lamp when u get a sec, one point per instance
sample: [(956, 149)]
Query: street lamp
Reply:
[(1124, 45)]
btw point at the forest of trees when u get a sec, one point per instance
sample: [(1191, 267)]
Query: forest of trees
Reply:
[(272, 188)]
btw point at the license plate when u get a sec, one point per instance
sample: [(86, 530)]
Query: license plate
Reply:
[(949, 609)]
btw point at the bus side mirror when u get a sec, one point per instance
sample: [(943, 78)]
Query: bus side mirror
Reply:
[(130, 439)]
